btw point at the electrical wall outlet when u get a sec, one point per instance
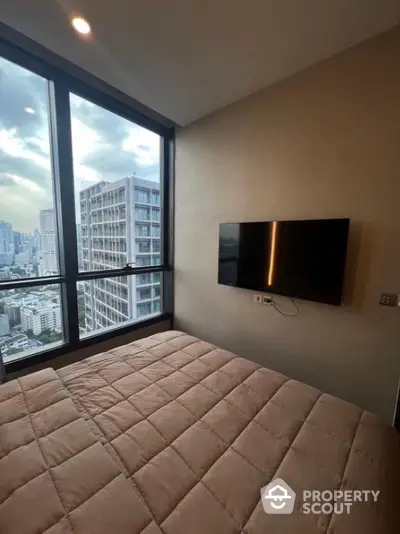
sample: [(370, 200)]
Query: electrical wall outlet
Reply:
[(388, 299), (258, 299), (267, 300)]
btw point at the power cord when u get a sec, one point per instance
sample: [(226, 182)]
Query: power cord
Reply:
[(286, 314)]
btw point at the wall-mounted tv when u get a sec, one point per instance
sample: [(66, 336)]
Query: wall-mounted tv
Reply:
[(298, 259)]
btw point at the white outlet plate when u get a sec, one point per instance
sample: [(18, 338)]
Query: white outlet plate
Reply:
[(258, 299), (267, 300)]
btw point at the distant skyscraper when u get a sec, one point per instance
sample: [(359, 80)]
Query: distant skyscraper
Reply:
[(6, 238), (17, 242), (120, 224), (13, 310), (36, 239), (48, 243)]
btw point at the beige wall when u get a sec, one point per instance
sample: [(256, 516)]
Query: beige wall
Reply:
[(78, 355), (324, 143)]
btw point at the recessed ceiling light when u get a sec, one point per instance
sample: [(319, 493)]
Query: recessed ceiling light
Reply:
[(29, 110), (81, 25)]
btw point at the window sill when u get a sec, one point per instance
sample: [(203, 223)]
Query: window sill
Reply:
[(28, 360)]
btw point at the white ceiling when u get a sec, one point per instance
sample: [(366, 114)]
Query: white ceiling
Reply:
[(187, 58)]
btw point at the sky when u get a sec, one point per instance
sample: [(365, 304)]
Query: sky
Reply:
[(105, 147)]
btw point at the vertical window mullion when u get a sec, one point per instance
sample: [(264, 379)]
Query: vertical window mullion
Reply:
[(167, 222), (60, 119)]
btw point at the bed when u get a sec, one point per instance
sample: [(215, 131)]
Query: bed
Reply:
[(173, 435)]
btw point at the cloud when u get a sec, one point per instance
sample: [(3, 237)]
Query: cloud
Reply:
[(21, 89), (25, 167), (6, 180), (105, 147), (121, 148)]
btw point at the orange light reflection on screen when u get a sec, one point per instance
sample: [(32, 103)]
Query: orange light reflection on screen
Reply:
[(272, 254)]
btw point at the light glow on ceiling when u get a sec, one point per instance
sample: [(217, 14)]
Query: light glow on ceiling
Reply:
[(31, 111), (81, 25)]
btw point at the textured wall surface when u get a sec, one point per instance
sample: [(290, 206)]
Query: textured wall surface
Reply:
[(324, 143)]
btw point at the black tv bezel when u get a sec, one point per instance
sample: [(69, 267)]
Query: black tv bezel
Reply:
[(332, 302)]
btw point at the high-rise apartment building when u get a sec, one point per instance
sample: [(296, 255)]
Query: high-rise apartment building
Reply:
[(6, 238), (120, 224), (48, 264), (7, 246), (17, 242), (39, 318)]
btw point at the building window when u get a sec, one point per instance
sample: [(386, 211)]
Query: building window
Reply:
[(144, 308), (143, 247), (156, 292), (141, 195), (144, 279), (143, 261), (155, 214), (144, 294), (54, 252), (142, 230), (142, 214), (155, 230)]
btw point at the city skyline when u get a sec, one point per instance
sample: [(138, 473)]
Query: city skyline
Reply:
[(105, 147), (109, 153), (121, 224)]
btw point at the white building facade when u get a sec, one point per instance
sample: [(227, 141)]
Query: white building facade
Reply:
[(38, 319), (120, 224)]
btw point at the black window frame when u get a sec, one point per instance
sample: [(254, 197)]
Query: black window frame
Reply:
[(64, 78)]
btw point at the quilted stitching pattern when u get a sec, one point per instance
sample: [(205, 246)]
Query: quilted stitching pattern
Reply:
[(204, 426), (55, 476), (195, 432)]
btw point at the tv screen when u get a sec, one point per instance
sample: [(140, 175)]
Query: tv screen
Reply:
[(298, 259)]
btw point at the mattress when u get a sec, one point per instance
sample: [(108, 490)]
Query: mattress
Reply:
[(173, 435)]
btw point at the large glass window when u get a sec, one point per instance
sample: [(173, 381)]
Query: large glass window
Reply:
[(30, 320), (28, 228), (74, 164), (116, 164), (112, 302)]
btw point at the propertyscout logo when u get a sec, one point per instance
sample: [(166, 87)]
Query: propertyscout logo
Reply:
[(279, 498)]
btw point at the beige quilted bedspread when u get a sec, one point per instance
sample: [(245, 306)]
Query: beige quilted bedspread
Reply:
[(172, 435)]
